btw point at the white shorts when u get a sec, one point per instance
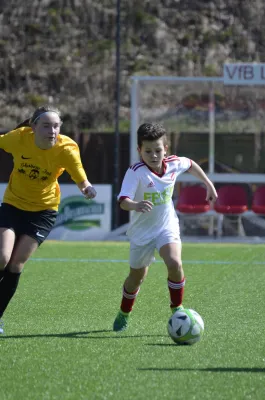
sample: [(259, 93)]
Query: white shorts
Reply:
[(143, 256)]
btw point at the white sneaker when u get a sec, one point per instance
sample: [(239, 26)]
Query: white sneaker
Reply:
[(1, 327)]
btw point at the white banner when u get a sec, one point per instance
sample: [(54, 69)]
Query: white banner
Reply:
[(79, 218), (244, 74)]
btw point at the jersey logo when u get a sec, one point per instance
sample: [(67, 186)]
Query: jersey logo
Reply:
[(33, 172), (151, 184), (25, 158)]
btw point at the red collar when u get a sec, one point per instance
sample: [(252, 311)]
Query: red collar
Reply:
[(164, 165)]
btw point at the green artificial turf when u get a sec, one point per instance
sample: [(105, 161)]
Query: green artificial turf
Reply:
[(59, 344)]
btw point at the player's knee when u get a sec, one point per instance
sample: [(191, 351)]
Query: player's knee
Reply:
[(137, 276), (138, 279), (16, 267), (174, 265), (4, 260), (141, 279)]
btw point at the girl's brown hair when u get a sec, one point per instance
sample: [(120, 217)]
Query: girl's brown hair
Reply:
[(36, 115)]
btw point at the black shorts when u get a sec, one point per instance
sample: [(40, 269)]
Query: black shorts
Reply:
[(36, 224)]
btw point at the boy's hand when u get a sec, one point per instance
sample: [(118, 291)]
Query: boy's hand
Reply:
[(211, 194), (144, 206)]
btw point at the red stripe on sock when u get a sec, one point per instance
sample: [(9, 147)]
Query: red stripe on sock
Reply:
[(127, 303), (176, 295)]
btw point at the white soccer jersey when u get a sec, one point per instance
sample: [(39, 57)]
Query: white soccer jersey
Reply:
[(141, 183)]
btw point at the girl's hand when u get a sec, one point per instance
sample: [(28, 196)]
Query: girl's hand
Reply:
[(89, 192)]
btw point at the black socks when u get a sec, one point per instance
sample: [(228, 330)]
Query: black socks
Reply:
[(8, 286)]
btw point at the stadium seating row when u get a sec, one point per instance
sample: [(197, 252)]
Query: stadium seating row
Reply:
[(232, 200)]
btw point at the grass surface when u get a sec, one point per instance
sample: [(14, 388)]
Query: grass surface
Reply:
[(59, 344)]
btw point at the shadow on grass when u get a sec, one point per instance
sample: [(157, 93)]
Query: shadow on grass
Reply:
[(165, 344), (79, 335), (228, 369)]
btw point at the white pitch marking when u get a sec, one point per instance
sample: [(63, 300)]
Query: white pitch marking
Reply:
[(97, 260)]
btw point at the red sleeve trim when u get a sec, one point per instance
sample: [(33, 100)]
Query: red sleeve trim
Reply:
[(171, 158), (123, 198)]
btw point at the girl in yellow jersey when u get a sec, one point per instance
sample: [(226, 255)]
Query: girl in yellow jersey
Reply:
[(31, 200)]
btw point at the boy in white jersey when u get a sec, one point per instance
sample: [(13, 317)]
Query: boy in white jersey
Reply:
[(147, 191)]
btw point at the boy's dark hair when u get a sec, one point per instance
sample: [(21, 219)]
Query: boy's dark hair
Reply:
[(37, 113), (150, 132)]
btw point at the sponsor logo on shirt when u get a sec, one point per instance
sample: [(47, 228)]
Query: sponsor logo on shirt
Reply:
[(158, 198), (33, 172)]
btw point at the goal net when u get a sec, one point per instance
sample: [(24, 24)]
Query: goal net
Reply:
[(206, 117)]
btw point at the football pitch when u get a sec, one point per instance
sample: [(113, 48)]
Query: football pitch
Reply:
[(59, 343)]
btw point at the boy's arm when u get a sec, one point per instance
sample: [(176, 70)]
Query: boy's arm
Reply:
[(196, 171), (140, 206), (127, 194)]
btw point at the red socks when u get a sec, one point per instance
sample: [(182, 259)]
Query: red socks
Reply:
[(128, 300), (176, 291)]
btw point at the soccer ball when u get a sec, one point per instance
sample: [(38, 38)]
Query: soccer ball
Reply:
[(185, 326)]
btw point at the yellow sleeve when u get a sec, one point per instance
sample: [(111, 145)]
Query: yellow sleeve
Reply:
[(9, 141), (73, 164)]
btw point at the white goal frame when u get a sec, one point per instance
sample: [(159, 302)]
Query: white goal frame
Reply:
[(216, 177)]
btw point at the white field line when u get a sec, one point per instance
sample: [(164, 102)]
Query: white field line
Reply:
[(98, 260)]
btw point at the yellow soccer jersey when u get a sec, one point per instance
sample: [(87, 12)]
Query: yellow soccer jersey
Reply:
[(33, 184)]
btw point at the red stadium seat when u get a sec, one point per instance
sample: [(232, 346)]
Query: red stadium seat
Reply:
[(192, 200), (258, 203), (191, 204), (233, 201)]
